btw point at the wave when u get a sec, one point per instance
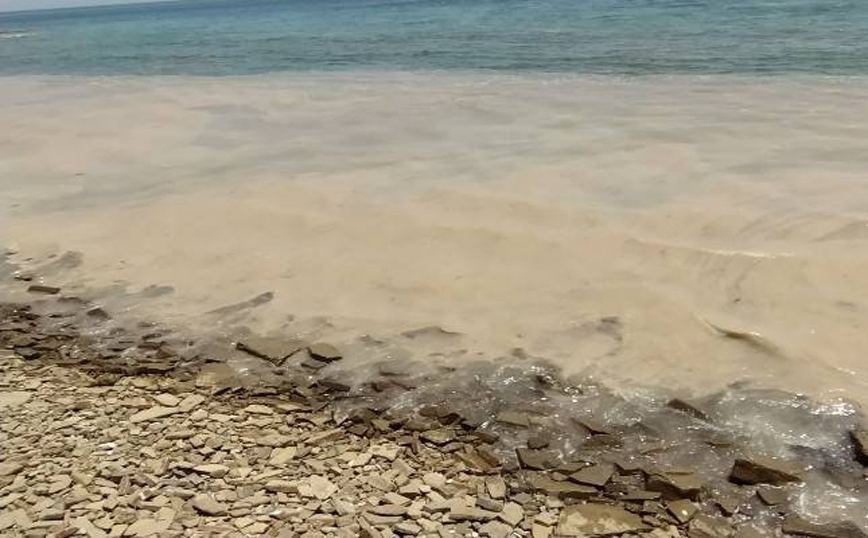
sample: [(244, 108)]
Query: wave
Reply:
[(16, 34)]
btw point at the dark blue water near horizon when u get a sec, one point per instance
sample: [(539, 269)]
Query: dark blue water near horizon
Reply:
[(237, 37)]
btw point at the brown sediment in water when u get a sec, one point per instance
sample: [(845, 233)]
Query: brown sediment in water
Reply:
[(567, 464)]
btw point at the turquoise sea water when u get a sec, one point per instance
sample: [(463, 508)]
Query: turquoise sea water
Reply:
[(230, 37)]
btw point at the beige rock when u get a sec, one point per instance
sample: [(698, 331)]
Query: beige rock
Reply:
[(14, 398), (512, 513), (146, 527), (190, 402), (282, 486), (280, 456), (317, 486), (495, 529), (153, 413), (85, 525), (206, 504), (496, 487), (257, 409), (598, 520), (10, 468), (212, 469), (168, 400)]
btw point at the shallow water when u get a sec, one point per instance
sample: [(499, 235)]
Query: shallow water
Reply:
[(680, 232)]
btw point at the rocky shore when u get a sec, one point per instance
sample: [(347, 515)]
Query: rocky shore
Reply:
[(120, 434)]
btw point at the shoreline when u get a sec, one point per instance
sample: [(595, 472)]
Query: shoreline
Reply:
[(638, 473)]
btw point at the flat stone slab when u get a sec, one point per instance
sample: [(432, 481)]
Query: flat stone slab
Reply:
[(598, 520), (761, 470), (273, 349), (13, 399), (595, 475), (799, 526), (153, 413)]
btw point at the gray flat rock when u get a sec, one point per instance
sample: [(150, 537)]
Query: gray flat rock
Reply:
[(761, 470)]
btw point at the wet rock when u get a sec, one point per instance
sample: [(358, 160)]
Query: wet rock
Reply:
[(536, 459), (206, 504), (688, 408), (673, 486), (47, 290), (272, 349), (762, 470), (860, 443), (324, 352), (598, 520), (595, 475), (772, 496), (98, 314), (799, 526), (703, 526), (683, 510)]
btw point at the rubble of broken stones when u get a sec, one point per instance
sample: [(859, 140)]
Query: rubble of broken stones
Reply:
[(98, 450)]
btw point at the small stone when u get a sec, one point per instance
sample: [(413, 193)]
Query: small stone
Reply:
[(598, 520), (438, 437), (153, 413), (281, 486), (435, 480), (58, 484), (388, 510), (512, 513), (495, 529), (91, 530), (206, 504), (407, 528), (146, 527), (799, 526), (496, 487), (212, 469), (47, 290), (274, 439), (595, 475), (14, 398), (688, 408), (761, 470), (190, 402), (317, 486), (257, 409), (168, 400), (466, 513), (682, 510), (280, 456), (324, 352)]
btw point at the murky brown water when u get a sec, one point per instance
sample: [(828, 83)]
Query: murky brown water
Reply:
[(678, 232)]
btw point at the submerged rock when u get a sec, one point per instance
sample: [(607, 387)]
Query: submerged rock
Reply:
[(324, 352), (687, 407), (799, 526), (762, 470), (47, 290), (272, 349)]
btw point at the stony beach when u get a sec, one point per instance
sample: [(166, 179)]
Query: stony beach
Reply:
[(117, 434)]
